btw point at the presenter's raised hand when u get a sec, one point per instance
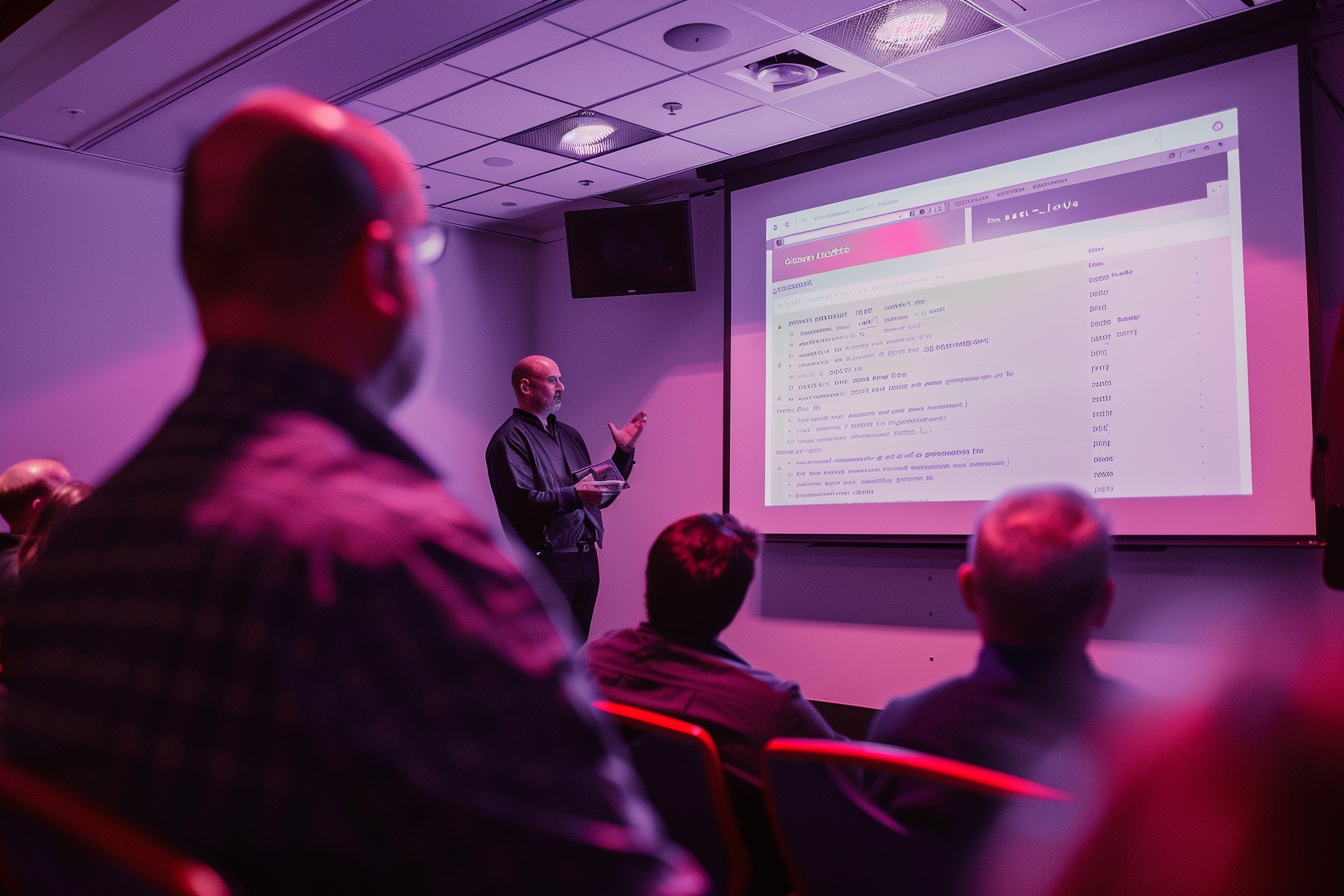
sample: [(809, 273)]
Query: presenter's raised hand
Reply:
[(628, 434)]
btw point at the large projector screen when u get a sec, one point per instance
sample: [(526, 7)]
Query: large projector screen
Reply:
[(1111, 294)]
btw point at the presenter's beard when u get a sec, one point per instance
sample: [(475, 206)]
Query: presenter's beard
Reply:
[(398, 376)]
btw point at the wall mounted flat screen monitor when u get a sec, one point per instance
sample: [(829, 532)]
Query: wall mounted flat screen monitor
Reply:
[(1110, 294), (630, 251)]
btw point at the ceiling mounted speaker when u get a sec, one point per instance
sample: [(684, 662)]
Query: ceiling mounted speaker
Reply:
[(697, 37)]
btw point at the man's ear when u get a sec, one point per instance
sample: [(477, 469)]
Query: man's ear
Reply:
[(966, 582), (379, 271)]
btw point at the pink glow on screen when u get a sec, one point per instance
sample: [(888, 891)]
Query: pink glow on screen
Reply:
[(876, 244)]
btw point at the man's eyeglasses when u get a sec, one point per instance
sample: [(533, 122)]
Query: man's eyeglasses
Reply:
[(427, 243)]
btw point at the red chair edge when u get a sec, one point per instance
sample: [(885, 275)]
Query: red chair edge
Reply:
[(899, 760), (102, 832), (739, 860)]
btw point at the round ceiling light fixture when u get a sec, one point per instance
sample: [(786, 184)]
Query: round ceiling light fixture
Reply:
[(585, 133), (785, 74), (910, 23), (697, 37)]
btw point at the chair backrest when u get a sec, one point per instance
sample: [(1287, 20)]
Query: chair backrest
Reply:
[(837, 841), (684, 779), (53, 842)]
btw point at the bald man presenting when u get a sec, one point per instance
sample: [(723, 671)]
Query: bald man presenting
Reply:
[(532, 460), (272, 637)]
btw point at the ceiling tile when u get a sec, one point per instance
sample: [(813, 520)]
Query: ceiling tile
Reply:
[(1104, 24), (495, 109), (429, 141), (752, 129), (493, 203), (1217, 8), (487, 162), (595, 16), (733, 74), (746, 31), (1016, 11), (440, 186), (373, 113), (461, 219), (662, 155), (971, 63), (588, 74), (700, 102), (804, 15), (421, 87), (861, 98), (532, 41), (567, 182)]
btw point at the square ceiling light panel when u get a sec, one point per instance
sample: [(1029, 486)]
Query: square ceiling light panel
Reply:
[(792, 67), (804, 15), (696, 33), (578, 181), (865, 97), (677, 104), (666, 155), (588, 74), (512, 49), (987, 59), (429, 141), (593, 17), (501, 163), (583, 135), (752, 129), (1105, 24), (496, 109), (422, 87), (439, 187), (505, 202), (893, 31)]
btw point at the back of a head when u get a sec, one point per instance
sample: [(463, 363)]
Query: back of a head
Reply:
[(698, 573), (25, 483), (274, 198), (1042, 565)]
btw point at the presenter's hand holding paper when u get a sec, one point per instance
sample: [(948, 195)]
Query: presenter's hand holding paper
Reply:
[(591, 492)]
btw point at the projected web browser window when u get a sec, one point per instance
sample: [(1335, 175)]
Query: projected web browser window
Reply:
[(1077, 316)]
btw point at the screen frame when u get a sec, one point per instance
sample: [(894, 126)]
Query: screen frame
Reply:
[(1153, 60)]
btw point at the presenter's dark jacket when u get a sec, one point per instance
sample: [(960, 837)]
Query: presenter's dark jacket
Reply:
[(706, 683), (530, 469)]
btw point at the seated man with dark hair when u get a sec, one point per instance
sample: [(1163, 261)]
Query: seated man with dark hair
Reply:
[(1038, 583), (697, 576)]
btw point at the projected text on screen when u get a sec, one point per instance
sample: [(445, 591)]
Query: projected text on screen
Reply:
[(1075, 317)]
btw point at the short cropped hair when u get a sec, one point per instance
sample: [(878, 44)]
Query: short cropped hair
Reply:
[(287, 229), (698, 573), (1042, 563)]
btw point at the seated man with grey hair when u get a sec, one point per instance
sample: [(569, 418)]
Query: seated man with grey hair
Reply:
[(1038, 582)]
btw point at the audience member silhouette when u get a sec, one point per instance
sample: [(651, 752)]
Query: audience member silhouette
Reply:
[(24, 487), (1038, 583), (272, 637), (697, 576)]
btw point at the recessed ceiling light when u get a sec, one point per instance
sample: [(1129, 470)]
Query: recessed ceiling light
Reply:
[(582, 135), (697, 37), (508, 204), (497, 162), (894, 31), (784, 71), (785, 74)]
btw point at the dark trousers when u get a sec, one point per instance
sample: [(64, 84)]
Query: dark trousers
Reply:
[(576, 574)]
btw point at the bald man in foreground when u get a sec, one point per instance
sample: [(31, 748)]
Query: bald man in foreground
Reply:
[(24, 488), (272, 637), (532, 460)]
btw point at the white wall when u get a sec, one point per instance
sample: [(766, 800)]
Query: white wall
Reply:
[(98, 337)]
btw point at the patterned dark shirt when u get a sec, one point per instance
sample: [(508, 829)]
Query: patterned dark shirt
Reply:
[(273, 638), (530, 469), (706, 683)]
